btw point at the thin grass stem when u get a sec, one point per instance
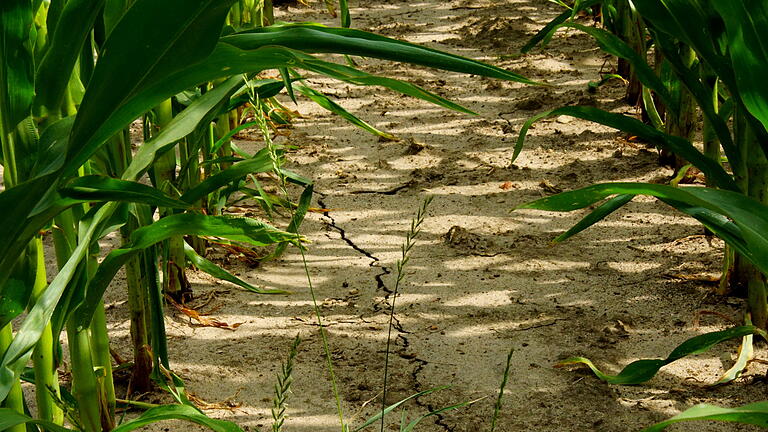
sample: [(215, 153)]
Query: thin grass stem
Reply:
[(410, 240), (277, 167)]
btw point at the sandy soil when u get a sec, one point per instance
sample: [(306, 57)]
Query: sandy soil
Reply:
[(483, 278)]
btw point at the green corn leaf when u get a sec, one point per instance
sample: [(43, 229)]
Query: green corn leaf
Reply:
[(641, 371), (13, 299), (10, 418), (16, 70), (287, 83), (693, 23), (355, 76), (745, 24), (754, 414), (19, 351), (200, 111), (315, 38), (54, 72), (218, 272), (545, 34), (102, 188), (615, 46), (177, 412), (741, 221), (337, 109), (690, 78), (174, 34), (235, 229), (598, 214), (677, 145), (260, 162), (346, 21), (217, 145), (298, 217)]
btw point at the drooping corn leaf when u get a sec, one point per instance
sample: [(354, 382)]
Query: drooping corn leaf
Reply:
[(549, 29), (10, 418), (754, 414), (613, 45), (746, 354), (337, 109), (102, 188), (177, 412), (355, 76), (218, 272), (598, 214), (739, 220), (641, 371), (677, 145), (315, 38), (235, 229)]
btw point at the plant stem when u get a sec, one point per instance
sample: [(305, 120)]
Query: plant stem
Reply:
[(401, 264), (102, 359), (15, 398), (277, 168), (47, 391), (84, 384), (139, 307)]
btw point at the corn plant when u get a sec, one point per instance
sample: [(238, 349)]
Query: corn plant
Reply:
[(73, 76), (725, 50)]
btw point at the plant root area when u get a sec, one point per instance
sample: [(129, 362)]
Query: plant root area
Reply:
[(484, 278)]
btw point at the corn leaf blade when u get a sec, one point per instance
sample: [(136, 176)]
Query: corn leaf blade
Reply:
[(315, 38), (177, 412), (218, 272), (10, 418), (235, 229), (741, 221), (754, 414), (641, 371), (677, 145)]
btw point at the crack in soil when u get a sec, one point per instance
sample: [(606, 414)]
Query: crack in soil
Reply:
[(380, 285), (396, 324), (420, 364)]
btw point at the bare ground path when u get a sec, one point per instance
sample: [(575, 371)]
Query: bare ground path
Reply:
[(483, 279)]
